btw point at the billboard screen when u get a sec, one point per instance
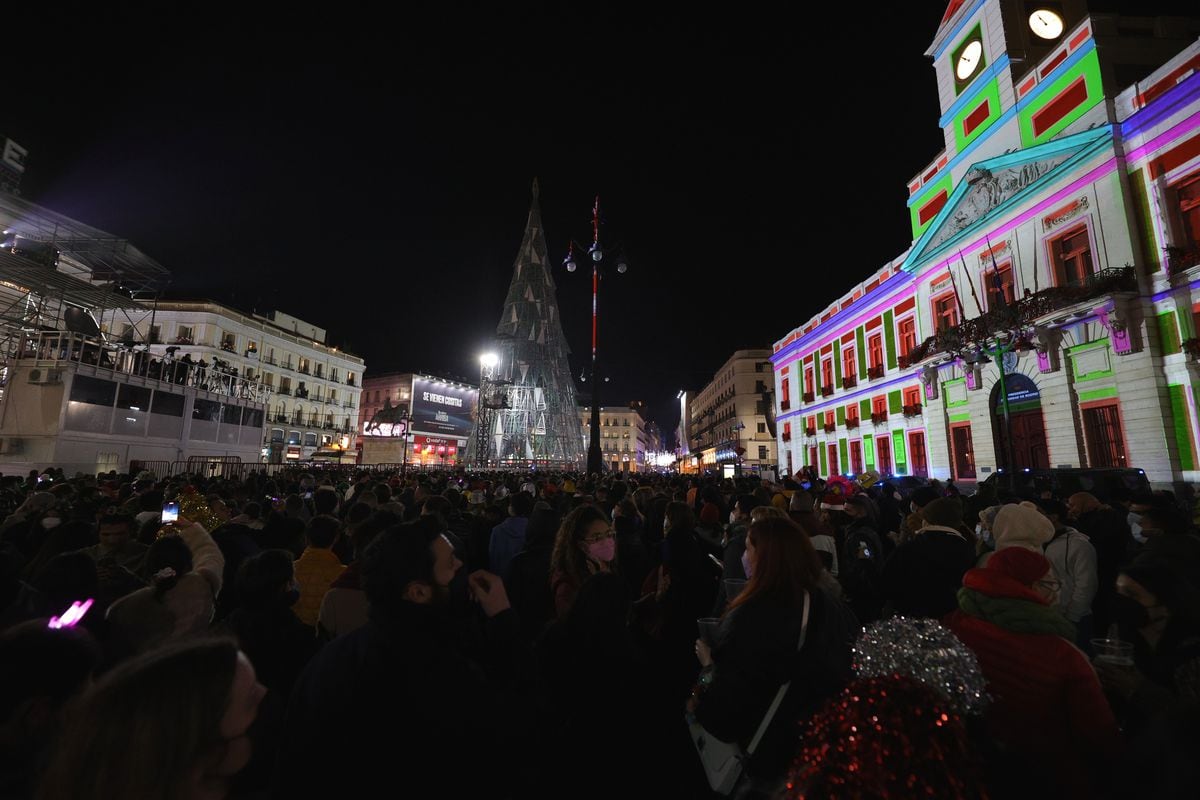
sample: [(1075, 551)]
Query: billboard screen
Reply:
[(442, 408)]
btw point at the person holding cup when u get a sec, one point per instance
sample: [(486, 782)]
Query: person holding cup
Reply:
[(755, 650), (1157, 611)]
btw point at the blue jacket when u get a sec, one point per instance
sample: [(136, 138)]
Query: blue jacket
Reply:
[(508, 539)]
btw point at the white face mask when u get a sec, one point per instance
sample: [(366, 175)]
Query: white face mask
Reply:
[(732, 517), (51, 522), (1135, 526), (979, 530)]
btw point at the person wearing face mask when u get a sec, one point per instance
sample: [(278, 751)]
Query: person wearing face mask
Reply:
[(1157, 609), (1108, 531), (400, 697), (756, 650), (585, 544)]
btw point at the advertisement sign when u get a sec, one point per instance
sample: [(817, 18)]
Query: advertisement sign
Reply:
[(442, 408), (435, 446)]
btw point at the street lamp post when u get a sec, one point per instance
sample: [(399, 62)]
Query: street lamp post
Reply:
[(595, 458), (738, 450)]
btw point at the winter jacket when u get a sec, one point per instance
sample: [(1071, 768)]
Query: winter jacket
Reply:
[(316, 569), (508, 539), (1048, 714), (139, 620), (1074, 561), (344, 607), (923, 575), (755, 654), (860, 571), (399, 699)]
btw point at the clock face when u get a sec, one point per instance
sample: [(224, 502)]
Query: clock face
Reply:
[(1046, 24), (969, 60)]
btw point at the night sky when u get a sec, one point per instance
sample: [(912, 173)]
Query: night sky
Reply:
[(372, 175)]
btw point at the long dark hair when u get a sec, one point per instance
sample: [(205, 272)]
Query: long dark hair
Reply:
[(160, 714), (785, 567), (568, 557)]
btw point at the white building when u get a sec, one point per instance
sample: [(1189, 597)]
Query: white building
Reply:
[(313, 387), (623, 440), (730, 414)]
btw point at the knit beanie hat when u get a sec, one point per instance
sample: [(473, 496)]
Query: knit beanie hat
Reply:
[(1022, 526), (988, 516), (945, 511), (1024, 566)]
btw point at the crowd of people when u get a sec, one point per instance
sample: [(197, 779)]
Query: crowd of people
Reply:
[(331, 633)]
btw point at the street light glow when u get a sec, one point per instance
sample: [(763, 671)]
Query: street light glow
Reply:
[(489, 360)]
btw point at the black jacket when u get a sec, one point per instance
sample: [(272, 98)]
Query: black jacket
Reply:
[(398, 703), (923, 576), (755, 655)]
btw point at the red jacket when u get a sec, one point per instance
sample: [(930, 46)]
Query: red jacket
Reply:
[(1048, 710)]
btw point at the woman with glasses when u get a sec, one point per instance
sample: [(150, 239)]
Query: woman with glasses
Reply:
[(586, 544), (1048, 714), (757, 649)]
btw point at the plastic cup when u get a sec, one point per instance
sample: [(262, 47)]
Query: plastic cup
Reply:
[(708, 628), (1113, 651), (733, 587)]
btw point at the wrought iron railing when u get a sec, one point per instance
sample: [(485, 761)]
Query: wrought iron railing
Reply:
[(1014, 317)]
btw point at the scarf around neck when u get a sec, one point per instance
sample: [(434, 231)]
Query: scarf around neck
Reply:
[(1015, 615)]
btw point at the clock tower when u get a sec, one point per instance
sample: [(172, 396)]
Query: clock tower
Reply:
[(983, 54)]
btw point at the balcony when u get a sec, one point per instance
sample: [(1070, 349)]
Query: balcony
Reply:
[(879, 417), (287, 365), (269, 360), (1024, 313), (810, 431), (903, 360), (1181, 258), (318, 374), (348, 404), (787, 437), (830, 428), (826, 391), (302, 393), (807, 397), (304, 371), (329, 426), (785, 405), (350, 382), (227, 346), (852, 422), (285, 390), (281, 418), (298, 419), (849, 382), (182, 340), (874, 373), (913, 410)]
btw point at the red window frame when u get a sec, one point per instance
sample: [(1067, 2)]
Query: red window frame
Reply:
[(883, 455), (830, 419), (945, 311), (785, 391), (1104, 433), (912, 396), (1005, 272), (848, 362), (813, 456), (808, 380), (875, 350), (1071, 256), (962, 463), (852, 412), (826, 373), (1187, 193), (879, 405), (918, 459), (832, 453), (856, 458), (906, 333)]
